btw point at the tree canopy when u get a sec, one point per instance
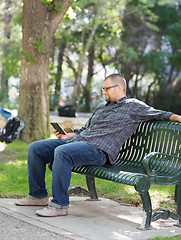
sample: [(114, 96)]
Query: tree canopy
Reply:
[(81, 42)]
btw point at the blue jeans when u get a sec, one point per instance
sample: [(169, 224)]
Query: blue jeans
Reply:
[(64, 156)]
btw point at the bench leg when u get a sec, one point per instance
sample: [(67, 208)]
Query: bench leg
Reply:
[(91, 187), (147, 208), (178, 201), (165, 214), (77, 190)]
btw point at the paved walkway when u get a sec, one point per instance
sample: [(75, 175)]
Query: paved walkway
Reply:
[(87, 220)]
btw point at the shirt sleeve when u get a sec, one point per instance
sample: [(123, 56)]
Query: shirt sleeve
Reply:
[(87, 124), (143, 112)]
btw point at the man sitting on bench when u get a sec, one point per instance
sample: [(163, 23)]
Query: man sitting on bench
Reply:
[(97, 143)]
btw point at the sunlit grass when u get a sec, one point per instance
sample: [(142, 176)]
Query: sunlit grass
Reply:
[(13, 178), (17, 146), (166, 238)]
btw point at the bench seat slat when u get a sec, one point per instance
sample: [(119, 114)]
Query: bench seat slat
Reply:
[(115, 174)]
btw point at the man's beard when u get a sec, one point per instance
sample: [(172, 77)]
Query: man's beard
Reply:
[(108, 102)]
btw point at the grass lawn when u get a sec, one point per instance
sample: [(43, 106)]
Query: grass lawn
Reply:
[(166, 238), (14, 182)]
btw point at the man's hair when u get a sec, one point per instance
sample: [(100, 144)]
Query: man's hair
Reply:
[(117, 78)]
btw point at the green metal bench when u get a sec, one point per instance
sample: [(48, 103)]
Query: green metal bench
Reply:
[(152, 155)]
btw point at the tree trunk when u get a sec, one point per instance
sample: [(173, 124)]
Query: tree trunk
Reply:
[(81, 61), (7, 33), (39, 25), (87, 92), (59, 68)]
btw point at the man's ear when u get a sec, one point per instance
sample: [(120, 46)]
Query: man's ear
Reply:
[(120, 88)]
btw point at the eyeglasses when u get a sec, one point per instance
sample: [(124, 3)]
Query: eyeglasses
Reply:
[(107, 88)]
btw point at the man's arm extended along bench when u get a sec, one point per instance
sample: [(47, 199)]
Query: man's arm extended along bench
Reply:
[(152, 155)]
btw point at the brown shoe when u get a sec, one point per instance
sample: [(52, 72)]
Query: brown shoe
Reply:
[(52, 212), (32, 201)]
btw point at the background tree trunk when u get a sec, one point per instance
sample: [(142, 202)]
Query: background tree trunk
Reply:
[(7, 34), (88, 88), (39, 25), (58, 76), (81, 61)]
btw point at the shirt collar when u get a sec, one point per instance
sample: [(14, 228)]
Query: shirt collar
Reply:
[(117, 101), (121, 99)]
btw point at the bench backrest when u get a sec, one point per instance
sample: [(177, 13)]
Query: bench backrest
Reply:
[(151, 136)]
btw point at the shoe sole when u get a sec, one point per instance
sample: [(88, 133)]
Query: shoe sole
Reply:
[(40, 215), (33, 205)]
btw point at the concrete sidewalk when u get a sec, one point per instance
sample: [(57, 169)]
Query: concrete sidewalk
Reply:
[(87, 220)]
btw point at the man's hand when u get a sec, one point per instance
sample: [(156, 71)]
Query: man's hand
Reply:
[(175, 118), (64, 136)]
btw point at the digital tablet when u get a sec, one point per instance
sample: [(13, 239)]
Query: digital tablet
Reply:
[(57, 127)]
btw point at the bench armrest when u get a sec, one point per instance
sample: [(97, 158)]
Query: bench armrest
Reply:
[(162, 165)]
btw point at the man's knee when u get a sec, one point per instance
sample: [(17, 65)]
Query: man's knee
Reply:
[(33, 147), (61, 154)]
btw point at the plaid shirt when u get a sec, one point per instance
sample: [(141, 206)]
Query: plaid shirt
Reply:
[(112, 124)]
